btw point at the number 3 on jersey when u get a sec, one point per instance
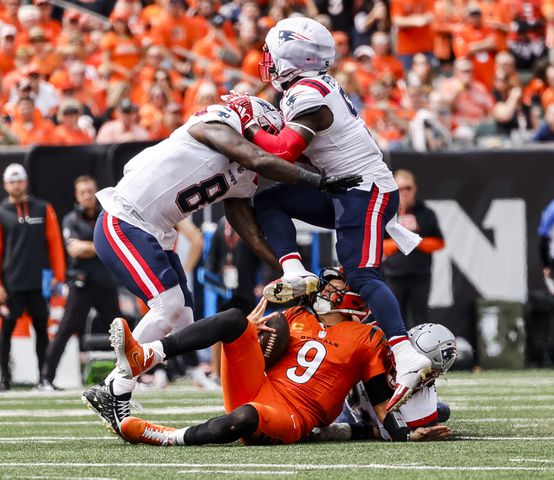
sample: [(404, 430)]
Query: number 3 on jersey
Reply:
[(311, 349)]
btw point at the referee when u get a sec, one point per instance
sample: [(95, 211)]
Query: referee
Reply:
[(90, 282)]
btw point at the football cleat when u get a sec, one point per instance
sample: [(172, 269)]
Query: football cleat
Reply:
[(284, 290), (408, 381), (136, 430), (132, 358), (112, 409)]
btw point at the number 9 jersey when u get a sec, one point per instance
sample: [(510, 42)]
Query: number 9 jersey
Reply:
[(169, 181), (322, 364), (346, 147)]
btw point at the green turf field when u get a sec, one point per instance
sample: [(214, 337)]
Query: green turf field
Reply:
[(504, 425)]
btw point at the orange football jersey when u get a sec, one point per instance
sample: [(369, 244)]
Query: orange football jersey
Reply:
[(324, 363)]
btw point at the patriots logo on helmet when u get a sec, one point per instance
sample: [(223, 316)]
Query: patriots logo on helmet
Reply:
[(288, 35), (448, 354)]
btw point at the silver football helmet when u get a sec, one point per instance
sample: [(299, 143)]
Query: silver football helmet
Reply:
[(437, 343), (266, 115), (296, 47)]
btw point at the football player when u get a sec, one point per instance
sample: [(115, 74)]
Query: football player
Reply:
[(329, 352), (322, 124), (358, 419), (204, 161)]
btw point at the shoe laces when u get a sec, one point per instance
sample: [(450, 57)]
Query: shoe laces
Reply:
[(158, 435), (123, 408)]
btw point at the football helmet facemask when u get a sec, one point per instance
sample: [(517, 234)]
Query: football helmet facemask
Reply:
[(266, 115), (337, 299)]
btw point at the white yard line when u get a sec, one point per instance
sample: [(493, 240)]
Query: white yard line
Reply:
[(509, 439), (242, 472), (315, 467), (531, 460), (83, 412), (62, 423)]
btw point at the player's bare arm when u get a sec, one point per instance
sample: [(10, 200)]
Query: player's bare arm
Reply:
[(236, 148), (241, 216)]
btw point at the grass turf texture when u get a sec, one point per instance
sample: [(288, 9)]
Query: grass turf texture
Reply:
[(503, 421)]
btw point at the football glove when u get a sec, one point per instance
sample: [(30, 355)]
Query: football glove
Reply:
[(338, 183), (242, 106)]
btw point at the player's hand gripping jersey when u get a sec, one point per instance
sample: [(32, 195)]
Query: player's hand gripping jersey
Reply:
[(323, 363), (345, 147), (188, 176)]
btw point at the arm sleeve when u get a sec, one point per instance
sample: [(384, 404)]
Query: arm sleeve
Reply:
[(55, 244), (430, 244), (377, 389), (288, 145)]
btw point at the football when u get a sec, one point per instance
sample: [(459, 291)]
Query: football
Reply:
[(275, 344)]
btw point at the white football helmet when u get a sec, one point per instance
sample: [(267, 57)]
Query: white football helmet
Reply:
[(437, 343), (296, 47), (266, 115)]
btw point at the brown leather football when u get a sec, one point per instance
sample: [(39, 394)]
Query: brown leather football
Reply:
[(274, 345)]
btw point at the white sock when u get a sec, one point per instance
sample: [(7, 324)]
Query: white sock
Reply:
[(292, 266), (404, 352), (178, 436), (158, 349), (121, 385)]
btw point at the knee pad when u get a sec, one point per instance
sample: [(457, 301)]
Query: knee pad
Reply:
[(169, 307)]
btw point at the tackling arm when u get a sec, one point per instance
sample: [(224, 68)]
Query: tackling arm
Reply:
[(236, 148), (241, 217)]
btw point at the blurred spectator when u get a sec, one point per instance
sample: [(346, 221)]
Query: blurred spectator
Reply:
[(43, 93), (8, 15), (509, 113), (421, 73), (31, 242), (365, 72), (152, 112), (372, 16), (430, 127), (28, 125), (7, 49), (477, 42), (198, 96), (448, 18), (412, 19), (547, 10), (121, 50), (173, 118), (526, 40), (43, 54), (23, 56), (409, 277), (125, 128), (68, 131), (467, 98), (383, 61), (173, 28), (504, 62), (91, 284), (29, 17), (545, 133), (547, 96), (50, 26), (6, 135), (251, 43), (497, 16)]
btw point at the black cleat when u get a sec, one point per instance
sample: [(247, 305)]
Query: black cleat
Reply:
[(111, 409)]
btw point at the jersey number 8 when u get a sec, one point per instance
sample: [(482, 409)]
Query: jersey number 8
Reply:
[(311, 366), (208, 191)]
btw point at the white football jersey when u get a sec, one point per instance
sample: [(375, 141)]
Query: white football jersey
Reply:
[(169, 181), (419, 410), (346, 147)]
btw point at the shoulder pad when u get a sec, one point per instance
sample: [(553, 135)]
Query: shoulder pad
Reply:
[(221, 114), (307, 94)]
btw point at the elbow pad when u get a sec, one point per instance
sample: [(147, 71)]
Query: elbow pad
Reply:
[(288, 145)]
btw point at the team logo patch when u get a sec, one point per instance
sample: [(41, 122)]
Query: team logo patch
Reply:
[(288, 35), (448, 355), (223, 115), (322, 334)]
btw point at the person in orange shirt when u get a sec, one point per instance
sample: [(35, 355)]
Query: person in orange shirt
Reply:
[(23, 58), (174, 28), (329, 351), (251, 47), (70, 27), (497, 16), (383, 61), (29, 126), (121, 49), (52, 28), (477, 42), (68, 131), (365, 72), (343, 58), (7, 49), (151, 113), (449, 15), (547, 97), (44, 55), (547, 10), (412, 19), (9, 14)]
